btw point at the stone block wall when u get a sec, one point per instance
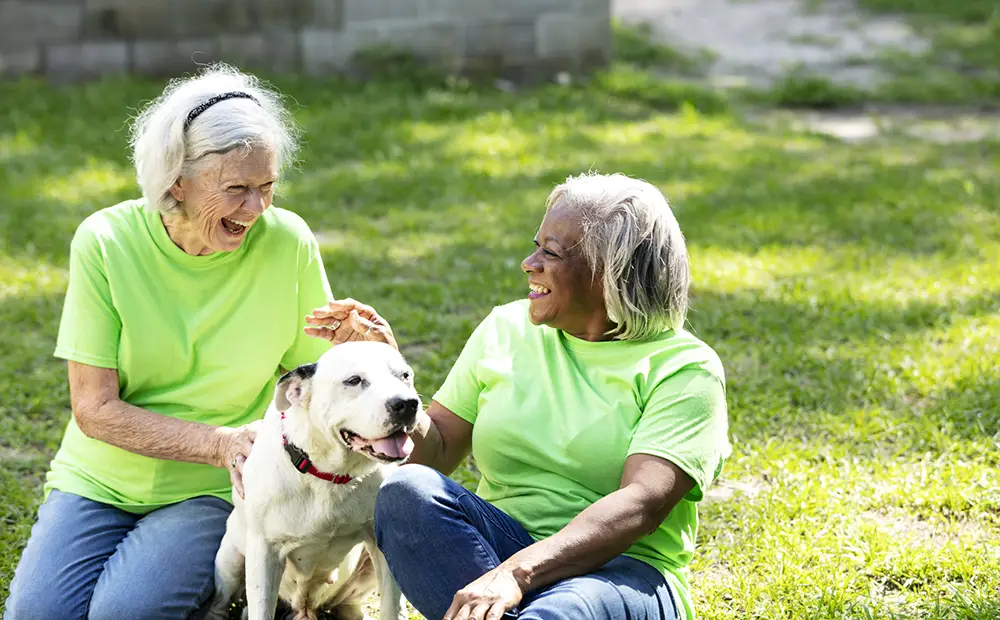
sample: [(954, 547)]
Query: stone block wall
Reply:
[(70, 40)]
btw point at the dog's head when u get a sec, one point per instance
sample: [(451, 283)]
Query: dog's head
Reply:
[(361, 394)]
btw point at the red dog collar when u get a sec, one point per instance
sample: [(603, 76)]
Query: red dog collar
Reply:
[(301, 462)]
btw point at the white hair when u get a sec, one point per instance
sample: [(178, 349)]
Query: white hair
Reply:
[(163, 151), (632, 242)]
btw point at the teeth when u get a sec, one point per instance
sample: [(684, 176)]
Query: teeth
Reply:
[(240, 222), (537, 288)]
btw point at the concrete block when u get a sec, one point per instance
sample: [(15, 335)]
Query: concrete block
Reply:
[(24, 62), (596, 39), (75, 61), (24, 23), (242, 50), (325, 14), (203, 18), (594, 8), (283, 50), (324, 50), (493, 9), (440, 43), (154, 58), (169, 58), (570, 35), (499, 43), (113, 19), (196, 52), (282, 15), (381, 10)]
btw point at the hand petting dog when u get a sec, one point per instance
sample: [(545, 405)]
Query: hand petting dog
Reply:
[(346, 320), (234, 448)]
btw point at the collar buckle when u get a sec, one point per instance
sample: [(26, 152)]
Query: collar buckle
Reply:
[(301, 463)]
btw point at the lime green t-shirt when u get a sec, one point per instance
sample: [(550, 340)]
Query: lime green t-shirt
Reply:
[(199, 338), (554, 418)]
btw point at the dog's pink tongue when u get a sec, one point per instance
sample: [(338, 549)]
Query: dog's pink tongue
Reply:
[(396, 446)]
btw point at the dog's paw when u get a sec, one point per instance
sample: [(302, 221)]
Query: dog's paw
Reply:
[(305, 614)]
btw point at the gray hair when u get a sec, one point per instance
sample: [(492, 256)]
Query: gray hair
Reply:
[(163, 151), (632, 242)]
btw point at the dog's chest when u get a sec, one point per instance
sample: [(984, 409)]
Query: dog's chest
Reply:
[(316, 514)]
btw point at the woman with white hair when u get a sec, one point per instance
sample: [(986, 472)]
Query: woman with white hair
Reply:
[(597, 423), (182, 310)]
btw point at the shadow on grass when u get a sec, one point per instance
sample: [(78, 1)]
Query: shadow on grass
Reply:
[(793, 359), (363, 154)]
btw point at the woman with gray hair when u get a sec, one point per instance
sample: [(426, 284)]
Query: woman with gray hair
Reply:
[(597, 423), (183, 308)]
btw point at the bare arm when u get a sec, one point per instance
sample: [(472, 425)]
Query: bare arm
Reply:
[(102, 415), (441, 439), (649, 490)]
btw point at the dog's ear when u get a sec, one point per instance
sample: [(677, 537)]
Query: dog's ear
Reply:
[(293, 387)]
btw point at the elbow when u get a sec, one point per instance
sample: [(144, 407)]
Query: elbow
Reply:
[(646, 522), (651, 516), (87, 415), (84, 416), (651, 522)]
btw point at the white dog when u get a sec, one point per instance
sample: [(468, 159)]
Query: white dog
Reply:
[(304, 531)]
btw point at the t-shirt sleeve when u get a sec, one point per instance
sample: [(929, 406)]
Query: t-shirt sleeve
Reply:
[(462, 387), (90, 328), (685, 421), (313, 292)]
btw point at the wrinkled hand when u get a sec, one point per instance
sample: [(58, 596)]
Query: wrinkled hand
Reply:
[(234, 450), (486, 598), (346, 320)]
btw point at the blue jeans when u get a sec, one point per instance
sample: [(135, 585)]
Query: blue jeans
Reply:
[(86, 559), (437, 538)]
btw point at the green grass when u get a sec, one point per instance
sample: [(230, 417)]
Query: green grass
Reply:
[(852, 291)]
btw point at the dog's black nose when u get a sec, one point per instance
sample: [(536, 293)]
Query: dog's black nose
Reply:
[(402, 410)]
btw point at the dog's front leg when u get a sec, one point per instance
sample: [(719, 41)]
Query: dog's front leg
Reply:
[(264, 568), (392, 603), (229, 576)]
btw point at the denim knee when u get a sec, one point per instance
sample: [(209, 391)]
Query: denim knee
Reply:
[(407, 493), (408, 486), (124, 602), (119, 607), (40, 601)]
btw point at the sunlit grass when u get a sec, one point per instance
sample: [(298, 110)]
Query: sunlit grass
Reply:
[(852, 291), (93, 180)]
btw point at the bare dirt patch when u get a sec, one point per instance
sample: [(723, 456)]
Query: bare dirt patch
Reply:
[(756, 42)]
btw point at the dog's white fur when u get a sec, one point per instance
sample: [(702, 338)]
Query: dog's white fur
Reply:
[(297, 536)]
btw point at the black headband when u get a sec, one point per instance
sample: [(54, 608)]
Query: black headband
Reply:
[(193, 114)]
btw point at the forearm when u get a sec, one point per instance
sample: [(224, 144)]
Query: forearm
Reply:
[(428, 446), (152, 434), (600, 533)]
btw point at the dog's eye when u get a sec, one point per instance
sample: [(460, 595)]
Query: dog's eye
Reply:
[(406, 375), (353, 381)]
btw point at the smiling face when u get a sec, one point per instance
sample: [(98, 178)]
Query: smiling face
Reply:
[(563, 292), (359, 394), (221, 202)]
